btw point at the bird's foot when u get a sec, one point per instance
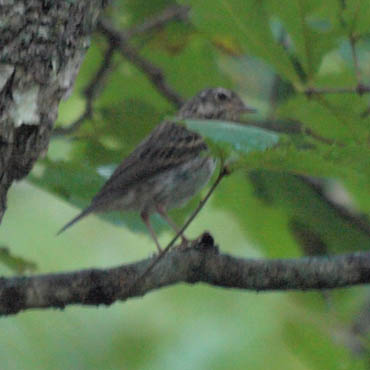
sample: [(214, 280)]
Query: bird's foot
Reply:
[(203, 242), (185, 243)]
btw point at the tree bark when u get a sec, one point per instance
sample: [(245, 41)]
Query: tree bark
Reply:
[(42, 45), (200, 263)]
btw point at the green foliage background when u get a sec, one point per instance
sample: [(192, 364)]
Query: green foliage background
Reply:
[(265, 208)]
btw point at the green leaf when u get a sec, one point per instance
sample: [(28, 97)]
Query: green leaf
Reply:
[(334, 117), (240, 137), (141, 10), (312, 37), (264, 225), (199, 52), (249, 23), (77, 183), (275, 207), (15, 263), (310, 341), (356, 15)]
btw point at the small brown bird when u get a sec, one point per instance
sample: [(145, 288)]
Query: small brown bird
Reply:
[(168, 167)]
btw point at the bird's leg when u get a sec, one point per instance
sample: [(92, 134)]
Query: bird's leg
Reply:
[(145, 218), (163, 213)]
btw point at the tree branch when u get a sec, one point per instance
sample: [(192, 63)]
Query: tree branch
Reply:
[(169, 14), (200, 263), (154, 74), (90, 92)]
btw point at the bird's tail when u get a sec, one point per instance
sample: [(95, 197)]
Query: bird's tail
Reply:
[(84, 213)]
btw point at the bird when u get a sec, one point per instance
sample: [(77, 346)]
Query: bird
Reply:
[(169, 166)]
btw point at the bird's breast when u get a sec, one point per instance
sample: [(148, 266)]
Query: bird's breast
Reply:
[(169, 189), (181, 183)]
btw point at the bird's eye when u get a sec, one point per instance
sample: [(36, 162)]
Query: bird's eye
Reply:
[(222, 96)]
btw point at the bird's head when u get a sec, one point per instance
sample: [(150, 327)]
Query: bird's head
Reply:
[(215, 103)]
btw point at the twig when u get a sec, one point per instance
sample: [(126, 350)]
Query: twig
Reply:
[(90, 93), (281, 89), (159, 20), (352, 42), (358, 221), (223, 172), (353, 38), (153, 73), (169, 14), (360, 86), (290, 127), (359, 89), (322, 100)]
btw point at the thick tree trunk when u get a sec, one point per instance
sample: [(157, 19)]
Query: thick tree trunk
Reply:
[(42, 45)]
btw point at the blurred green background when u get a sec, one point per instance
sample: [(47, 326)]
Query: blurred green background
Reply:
[(272, 206)]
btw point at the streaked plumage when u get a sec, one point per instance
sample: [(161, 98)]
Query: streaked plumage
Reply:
[(168, 167)]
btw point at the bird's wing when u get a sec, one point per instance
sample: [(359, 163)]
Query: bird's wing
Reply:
[(168, 146)]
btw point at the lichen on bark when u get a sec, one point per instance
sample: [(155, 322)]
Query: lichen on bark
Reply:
[(43, 44)]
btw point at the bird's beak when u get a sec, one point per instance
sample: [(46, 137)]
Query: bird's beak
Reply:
[(247, 109)]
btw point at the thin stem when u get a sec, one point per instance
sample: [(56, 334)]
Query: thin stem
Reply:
[(352, 42), (223, 172)]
